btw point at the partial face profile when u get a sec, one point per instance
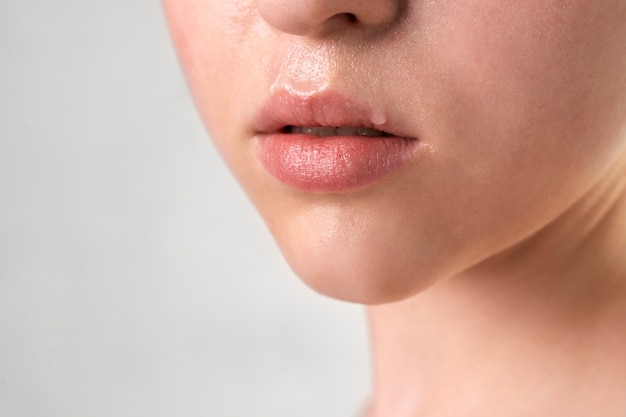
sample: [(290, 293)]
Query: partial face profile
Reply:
[(389, 144)]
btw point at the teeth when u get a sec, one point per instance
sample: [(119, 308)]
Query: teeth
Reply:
[(324, 131)]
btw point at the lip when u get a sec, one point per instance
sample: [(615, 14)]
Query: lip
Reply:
[(333, 164)]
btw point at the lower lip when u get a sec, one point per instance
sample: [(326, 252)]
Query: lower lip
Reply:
[(332, 164)]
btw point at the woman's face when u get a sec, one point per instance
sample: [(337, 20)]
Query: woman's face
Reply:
[(497, 116)]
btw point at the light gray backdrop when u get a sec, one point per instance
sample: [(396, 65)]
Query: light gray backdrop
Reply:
[(135, 277)]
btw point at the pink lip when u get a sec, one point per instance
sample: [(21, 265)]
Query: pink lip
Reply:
[(327, 164)]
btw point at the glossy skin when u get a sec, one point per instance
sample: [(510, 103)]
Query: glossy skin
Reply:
[(515, 210), (522, 107)]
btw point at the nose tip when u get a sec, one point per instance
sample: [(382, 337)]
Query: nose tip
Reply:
[(316, 18)]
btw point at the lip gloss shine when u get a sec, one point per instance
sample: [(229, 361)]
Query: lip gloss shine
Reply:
[(326, 143)]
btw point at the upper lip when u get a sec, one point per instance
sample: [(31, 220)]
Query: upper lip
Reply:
[(327, 108)]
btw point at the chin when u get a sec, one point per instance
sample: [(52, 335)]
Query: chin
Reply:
[(371, 272), (360, 288), (369, 248), (359, 281)]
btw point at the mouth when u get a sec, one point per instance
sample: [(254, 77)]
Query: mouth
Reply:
[(328, 131), (327, 143)]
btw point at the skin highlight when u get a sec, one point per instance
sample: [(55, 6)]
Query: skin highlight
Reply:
[(491, 263)]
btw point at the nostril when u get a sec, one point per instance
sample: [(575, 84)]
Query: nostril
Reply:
[(351, 17)]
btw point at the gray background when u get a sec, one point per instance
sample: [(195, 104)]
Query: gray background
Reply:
[(135, 277)]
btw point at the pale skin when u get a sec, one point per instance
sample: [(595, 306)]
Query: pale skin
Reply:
[(493, 266)]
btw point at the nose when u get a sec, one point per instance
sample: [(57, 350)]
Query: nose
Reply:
[(317, 18)]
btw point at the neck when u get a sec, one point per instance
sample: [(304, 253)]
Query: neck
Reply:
[(520, 334)]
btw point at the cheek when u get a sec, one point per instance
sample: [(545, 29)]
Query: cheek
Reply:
[(535, 98), (213, 41), (550, 74), (218, 47)]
